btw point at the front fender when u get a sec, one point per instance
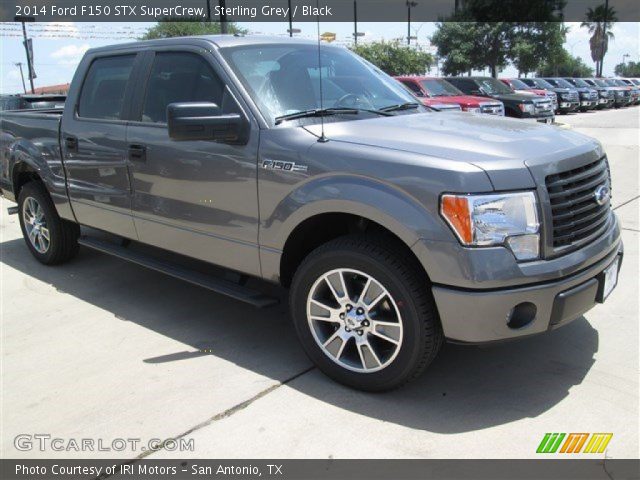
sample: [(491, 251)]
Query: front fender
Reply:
[(366, 197)]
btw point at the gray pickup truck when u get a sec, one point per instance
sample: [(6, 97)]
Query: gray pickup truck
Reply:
[(394, 227)]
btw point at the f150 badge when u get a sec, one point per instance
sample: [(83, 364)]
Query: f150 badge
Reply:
[(286, 166)]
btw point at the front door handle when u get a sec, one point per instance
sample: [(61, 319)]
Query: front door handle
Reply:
[(71, 143), (137, 153)]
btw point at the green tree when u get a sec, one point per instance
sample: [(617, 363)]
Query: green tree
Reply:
[(534, 42), (169, 27), (629, 69), (566, 66), (599, 22), (395, 58)]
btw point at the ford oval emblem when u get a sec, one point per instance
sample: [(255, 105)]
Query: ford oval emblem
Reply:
[(602, 194)]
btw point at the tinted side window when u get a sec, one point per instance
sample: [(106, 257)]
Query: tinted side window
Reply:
[(413, 87), (103, 90), (179, 77), (463, 84)]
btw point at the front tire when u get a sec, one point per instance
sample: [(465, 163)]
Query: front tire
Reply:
[(364, 313), (50, 239)]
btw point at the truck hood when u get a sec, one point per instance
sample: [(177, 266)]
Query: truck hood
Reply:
[(513, 97), (498, 145), (463, 100)]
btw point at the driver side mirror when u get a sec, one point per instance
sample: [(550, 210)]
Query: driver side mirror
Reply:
[(205, 121)]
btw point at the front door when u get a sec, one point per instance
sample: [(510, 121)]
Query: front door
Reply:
[(197, 198), (93, 138)]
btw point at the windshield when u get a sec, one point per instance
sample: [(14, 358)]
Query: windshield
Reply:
[(620, 83), (519, 84), (578, 82), (600, 82), (285, 78), (541, 83), (560, 82), (493, 86), (437, 87)]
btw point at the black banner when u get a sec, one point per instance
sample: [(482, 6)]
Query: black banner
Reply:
[(312, 10), (556, 469)]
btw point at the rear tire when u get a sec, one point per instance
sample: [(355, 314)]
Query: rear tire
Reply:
[(367, 339), (50, 239)]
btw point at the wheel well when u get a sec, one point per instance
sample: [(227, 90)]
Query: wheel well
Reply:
[(22, 174), (320, 229)]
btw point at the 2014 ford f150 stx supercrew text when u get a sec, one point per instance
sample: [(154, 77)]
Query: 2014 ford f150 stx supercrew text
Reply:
[(394, 226)]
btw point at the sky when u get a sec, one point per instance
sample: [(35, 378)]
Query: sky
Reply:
[(58, 47)]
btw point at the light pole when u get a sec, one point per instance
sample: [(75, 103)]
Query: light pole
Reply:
[(19, 65), (223, 16), (410, 3), (355, 22), (28, 47)]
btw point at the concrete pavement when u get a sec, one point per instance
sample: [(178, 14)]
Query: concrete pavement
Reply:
[(102, 349)]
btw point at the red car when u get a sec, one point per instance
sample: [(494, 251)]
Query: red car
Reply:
[(438, 93), (520, 87)]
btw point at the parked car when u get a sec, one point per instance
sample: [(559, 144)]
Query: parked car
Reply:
[(588, 96), (517, 105), (431, 102), (623, 92), (518, 86), (635, 90), (395, 227), (439, 93), (31, 102), (568, 98), (605, 96)]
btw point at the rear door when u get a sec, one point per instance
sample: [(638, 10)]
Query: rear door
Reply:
[(93, 134), (197, 198)]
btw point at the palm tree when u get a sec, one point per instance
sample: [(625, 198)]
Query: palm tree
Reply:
[(599, 23)]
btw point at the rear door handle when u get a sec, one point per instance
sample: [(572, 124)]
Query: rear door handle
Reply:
[(137, 153), (71, 143)]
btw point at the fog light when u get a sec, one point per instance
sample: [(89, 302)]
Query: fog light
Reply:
[(522, 315), (525, 247)]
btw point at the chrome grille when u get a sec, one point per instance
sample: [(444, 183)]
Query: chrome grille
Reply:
[(492, 108), (577, 218), (543, 107)]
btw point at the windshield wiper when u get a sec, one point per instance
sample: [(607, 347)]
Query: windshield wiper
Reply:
[(400, 106), (322, 112)]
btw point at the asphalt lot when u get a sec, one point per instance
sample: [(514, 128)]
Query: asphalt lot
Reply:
[(102, 349)]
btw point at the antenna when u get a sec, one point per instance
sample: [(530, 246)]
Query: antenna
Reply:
[(322, 137)]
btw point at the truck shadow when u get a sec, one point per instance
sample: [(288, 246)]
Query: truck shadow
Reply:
[(465, 389)]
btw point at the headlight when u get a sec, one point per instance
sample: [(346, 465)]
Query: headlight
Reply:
[(527, 107), (509, 219), (472, 110)]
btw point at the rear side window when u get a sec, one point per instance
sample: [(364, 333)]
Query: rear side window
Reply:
[(413, 87), (179, 77), (102, 94)]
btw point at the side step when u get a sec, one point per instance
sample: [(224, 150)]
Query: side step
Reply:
[(221, 286)]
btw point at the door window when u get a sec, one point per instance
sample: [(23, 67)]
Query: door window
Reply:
[(179, 77), (103, 90)]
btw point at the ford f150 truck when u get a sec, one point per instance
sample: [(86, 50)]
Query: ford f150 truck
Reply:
[(436, 92), (588, 96), (518, 86), (518, 105), (394, 227), (568, 98)]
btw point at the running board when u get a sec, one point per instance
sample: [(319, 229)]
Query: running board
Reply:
[(218, 285)]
